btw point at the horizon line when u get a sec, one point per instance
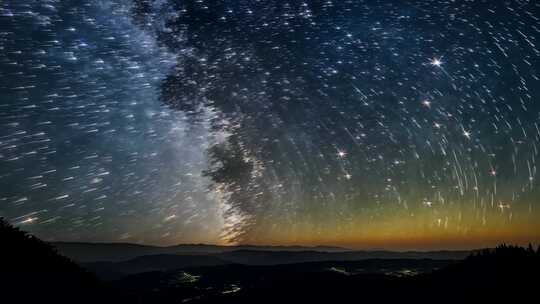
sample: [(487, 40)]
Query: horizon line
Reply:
[(290, 246)]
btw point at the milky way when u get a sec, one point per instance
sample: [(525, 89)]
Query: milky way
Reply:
[(359, 123)]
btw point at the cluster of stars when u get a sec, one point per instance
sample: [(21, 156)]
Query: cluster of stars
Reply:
[(242, 120)]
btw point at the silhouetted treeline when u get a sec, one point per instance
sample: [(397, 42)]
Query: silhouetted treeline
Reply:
[(506, 273), (31, 271), (504, 250)]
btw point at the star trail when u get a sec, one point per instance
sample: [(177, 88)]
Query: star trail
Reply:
[(410, 124)]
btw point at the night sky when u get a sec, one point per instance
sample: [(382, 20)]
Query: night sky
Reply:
[(367, 124)]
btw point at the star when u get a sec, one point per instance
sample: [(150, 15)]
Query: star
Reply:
[(29, 220), (436, 62)]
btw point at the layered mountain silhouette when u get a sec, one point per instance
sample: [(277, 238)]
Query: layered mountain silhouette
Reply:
[(92, 252), (32, 271)]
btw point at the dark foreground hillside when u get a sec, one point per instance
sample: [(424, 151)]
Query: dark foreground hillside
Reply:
[(33, 272)]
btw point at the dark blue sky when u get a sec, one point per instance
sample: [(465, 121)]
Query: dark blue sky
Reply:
[(359, 123)]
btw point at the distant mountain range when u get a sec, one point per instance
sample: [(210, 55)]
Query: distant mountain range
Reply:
[(33, 271), (116, 260), (114, 252), (242, 254), (107, 270)]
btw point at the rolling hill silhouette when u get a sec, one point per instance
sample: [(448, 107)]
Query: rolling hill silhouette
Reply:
[(33, 271), (94, 252)]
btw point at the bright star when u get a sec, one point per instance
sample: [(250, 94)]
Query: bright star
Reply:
[(436, 62)]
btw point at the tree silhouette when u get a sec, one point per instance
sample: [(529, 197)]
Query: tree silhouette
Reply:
[(31, 270)]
